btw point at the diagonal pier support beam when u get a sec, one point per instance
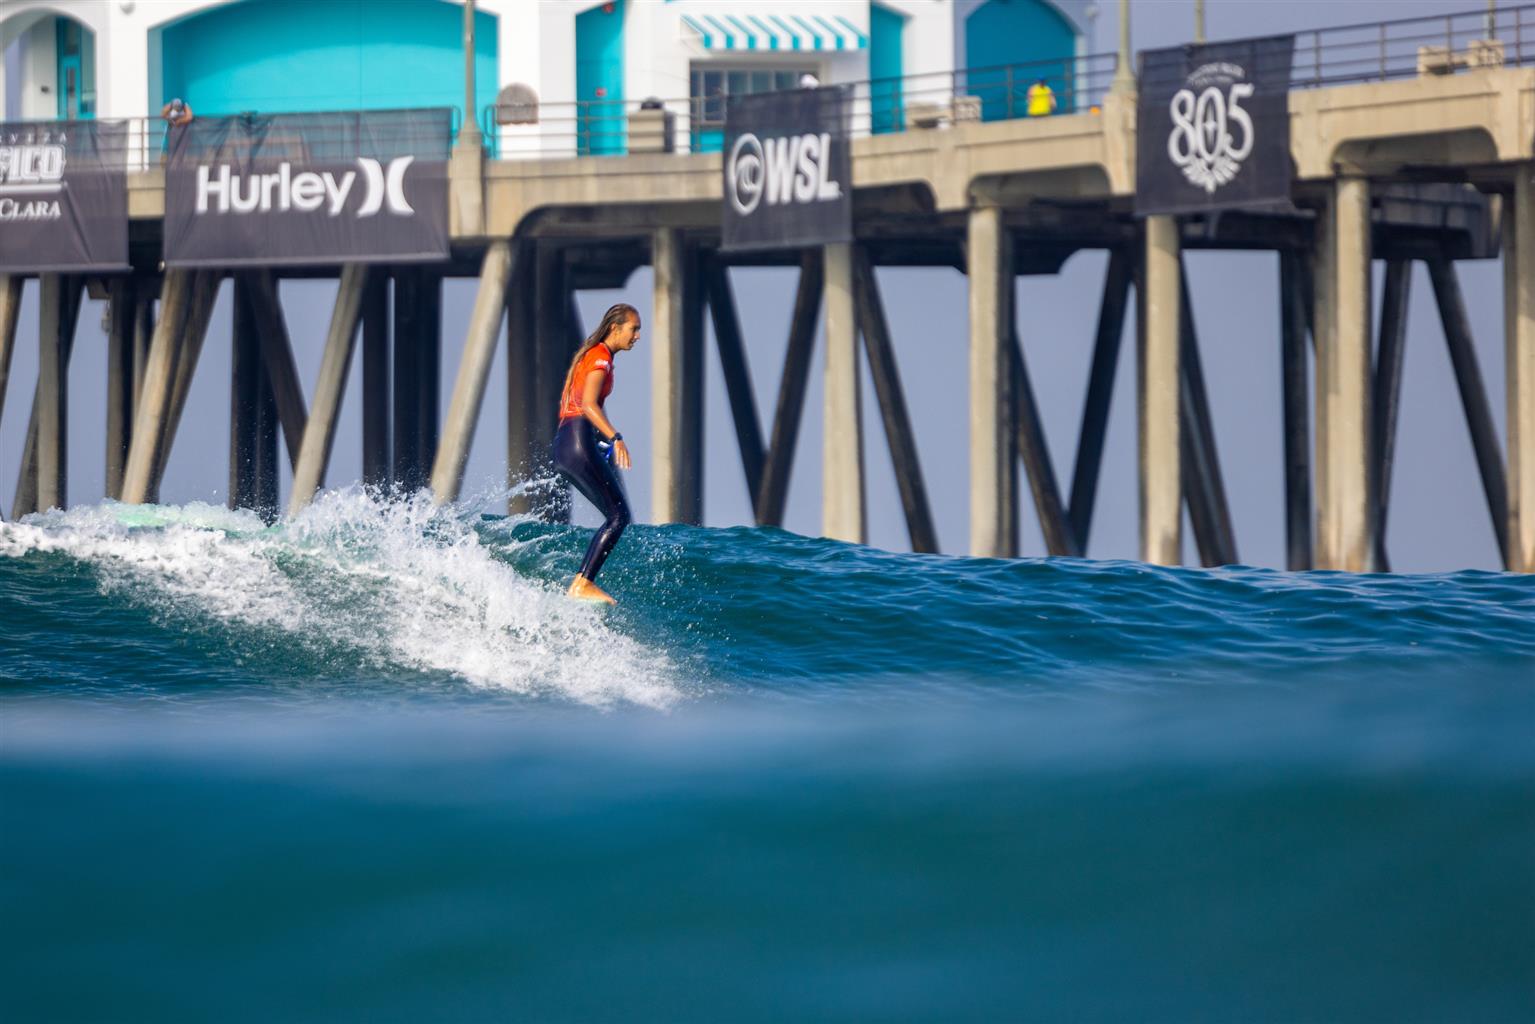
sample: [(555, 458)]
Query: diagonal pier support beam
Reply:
[(1519, 363), (375, 382), (1294, 385), (1035, 452), (473, 373), (892, 404), (1100, 394), (737, 372), (277, 360), (791, 391), (199, 316), (153, 406), (122, 316), (1390, 351), (1204, 487), (10, 312), (1473, 395), (320, 431)]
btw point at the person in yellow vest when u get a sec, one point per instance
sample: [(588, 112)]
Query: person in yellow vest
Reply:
[(1041, 99)]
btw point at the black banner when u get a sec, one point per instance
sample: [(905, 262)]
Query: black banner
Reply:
[(63, 196), (788, 170), (1213, 126), (279, 189)]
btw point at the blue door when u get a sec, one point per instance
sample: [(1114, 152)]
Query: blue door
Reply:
[(1011, 44), (600, 123), (885, 105)]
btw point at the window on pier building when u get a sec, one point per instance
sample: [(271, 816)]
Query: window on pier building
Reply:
[(712, 84)]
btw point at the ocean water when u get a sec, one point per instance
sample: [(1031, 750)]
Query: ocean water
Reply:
[(371, 765)]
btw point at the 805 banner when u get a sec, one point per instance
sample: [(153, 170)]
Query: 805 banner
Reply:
[(1213, 126)]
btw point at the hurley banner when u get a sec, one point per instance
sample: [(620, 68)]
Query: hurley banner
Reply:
[(291, 189), (63, 196), (1213, 126), (788, 170)]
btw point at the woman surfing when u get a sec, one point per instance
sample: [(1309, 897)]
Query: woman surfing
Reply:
[(588, 449)]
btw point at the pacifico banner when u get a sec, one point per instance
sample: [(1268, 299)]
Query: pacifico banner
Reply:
[(286, 189), (63, 196), (1213, 126), (788, 168)]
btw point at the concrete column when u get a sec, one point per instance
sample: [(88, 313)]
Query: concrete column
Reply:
[(668, 326), (52, 395), (993, 440), (473, 372), (843, 516), (1161, 480), (320, 430), (1519, 344), (1346, 525)]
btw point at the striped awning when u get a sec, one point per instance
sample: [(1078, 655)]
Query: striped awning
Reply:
[(735, 27)]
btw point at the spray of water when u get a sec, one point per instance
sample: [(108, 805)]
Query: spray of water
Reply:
[(394, 583)]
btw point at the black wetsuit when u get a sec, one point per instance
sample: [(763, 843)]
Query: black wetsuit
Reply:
[(577, 456)]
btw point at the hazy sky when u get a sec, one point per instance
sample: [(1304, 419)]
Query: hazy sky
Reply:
[(1439, 517)]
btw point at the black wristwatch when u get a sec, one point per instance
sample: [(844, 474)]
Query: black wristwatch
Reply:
[(617, 437)]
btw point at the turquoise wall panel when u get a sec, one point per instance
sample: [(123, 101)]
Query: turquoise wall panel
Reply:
[(287, 55), (600, 122), (886, 29), (1002, 33)]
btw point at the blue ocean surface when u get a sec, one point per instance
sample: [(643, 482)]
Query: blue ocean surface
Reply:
[(371, 765)]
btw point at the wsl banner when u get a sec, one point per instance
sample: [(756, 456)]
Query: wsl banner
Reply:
[(788, 170), (1213, 126), (63, 196), (285, 189)]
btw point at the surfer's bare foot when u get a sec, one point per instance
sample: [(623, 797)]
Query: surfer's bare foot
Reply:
[(583, 589)]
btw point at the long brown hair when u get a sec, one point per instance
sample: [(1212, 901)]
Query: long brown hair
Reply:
[(612, 318)]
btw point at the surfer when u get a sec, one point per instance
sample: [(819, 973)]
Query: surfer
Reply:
[(588, 449)]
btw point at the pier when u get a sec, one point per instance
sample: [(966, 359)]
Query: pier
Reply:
[(1411, 141)]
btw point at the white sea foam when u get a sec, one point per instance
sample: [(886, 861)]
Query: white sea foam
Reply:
[(391, 583)]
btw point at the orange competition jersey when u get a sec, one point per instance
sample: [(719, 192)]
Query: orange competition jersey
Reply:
[(597, 358)]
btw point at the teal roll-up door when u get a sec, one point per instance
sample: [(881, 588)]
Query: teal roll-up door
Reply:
[(886, 29), (600, 122), (293, 55), (1009, 44)]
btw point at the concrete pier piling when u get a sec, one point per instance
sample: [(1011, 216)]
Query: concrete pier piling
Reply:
[(993, 453), (1161, 473), (843, 514)]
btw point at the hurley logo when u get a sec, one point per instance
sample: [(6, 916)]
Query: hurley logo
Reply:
[(224, 191), (792, 169)]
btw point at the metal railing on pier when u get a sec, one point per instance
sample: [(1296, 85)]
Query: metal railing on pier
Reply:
[(1437, 45), (874, 107)]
